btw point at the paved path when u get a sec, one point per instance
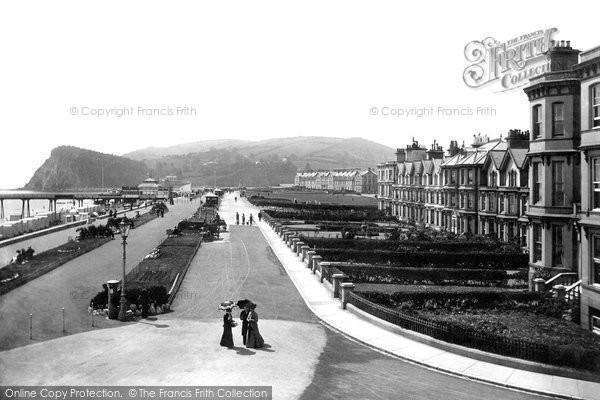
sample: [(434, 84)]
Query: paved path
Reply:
[(302, 359), (51, 240), (73, 284)]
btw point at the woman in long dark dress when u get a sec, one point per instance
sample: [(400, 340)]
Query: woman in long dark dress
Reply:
[(254, 340), (227, 338)]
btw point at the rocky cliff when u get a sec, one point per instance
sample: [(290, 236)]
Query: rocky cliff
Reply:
[(74, 168)]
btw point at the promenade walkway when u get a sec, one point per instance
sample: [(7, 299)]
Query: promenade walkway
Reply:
[(50, 238), (303, 357)]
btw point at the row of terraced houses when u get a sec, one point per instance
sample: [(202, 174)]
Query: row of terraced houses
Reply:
[(541, 186), (354, 180)]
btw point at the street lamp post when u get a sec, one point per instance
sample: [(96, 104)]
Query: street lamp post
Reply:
[(124, 229)]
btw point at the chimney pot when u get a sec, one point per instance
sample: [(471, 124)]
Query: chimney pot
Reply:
[(568, 43), (562, 43)]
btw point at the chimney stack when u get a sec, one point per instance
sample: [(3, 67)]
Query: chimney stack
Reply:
[(562, 57)]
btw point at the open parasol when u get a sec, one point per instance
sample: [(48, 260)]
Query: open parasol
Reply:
[(226, 304), (243, 303)]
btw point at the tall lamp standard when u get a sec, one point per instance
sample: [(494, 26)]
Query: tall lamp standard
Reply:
[(124, 229)]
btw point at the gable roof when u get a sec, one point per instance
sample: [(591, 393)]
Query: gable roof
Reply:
[(519, 156), (427, 166), (418, 166), (437, 165)]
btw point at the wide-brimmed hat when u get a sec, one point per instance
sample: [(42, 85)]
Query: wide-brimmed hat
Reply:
[(227, 305)]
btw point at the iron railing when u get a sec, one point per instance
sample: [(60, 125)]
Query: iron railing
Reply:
[(453, 334)]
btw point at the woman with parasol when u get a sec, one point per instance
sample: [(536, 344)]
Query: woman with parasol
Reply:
[(254, 340), (228, 323)]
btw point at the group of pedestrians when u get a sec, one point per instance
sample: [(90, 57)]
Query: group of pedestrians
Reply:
[(251, 336), (250, 218)]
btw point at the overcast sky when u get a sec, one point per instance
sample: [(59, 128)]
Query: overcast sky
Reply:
[(254, 70)]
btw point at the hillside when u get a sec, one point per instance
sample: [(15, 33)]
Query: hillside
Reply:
[(317, 151), (74, 168), (225, 168), (221, 162), (149, 153)]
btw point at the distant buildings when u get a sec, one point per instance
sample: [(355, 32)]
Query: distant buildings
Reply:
[(354, 180), (177, 185), (543, 187)]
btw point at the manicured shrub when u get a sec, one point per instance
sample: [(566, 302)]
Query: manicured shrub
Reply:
[(156, 294), (284, 203), (317, 216), (424, 259), (454, 297), (404, 246), (434, 276)]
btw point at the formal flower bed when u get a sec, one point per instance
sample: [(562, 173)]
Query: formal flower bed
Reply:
[(428, 259), (333, 215), (409, 245), (367, 273), (438, 297), (175, 253), (529, 320), (282, 203)]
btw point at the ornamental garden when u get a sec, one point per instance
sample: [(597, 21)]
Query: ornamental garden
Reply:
[(469, 290)]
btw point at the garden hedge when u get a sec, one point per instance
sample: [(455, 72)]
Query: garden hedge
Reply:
[(427, 259), (326, 215), (443, 297), (434, 276), (405, 245), (283, 203)]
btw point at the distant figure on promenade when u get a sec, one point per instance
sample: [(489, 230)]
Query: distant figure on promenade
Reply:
[(237, 218), (243, 219), (236, 199), (254, 340), (228, 323), (259, 216), (251, 219)]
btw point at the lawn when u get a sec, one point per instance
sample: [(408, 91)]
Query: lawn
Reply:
[(319, 197)]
